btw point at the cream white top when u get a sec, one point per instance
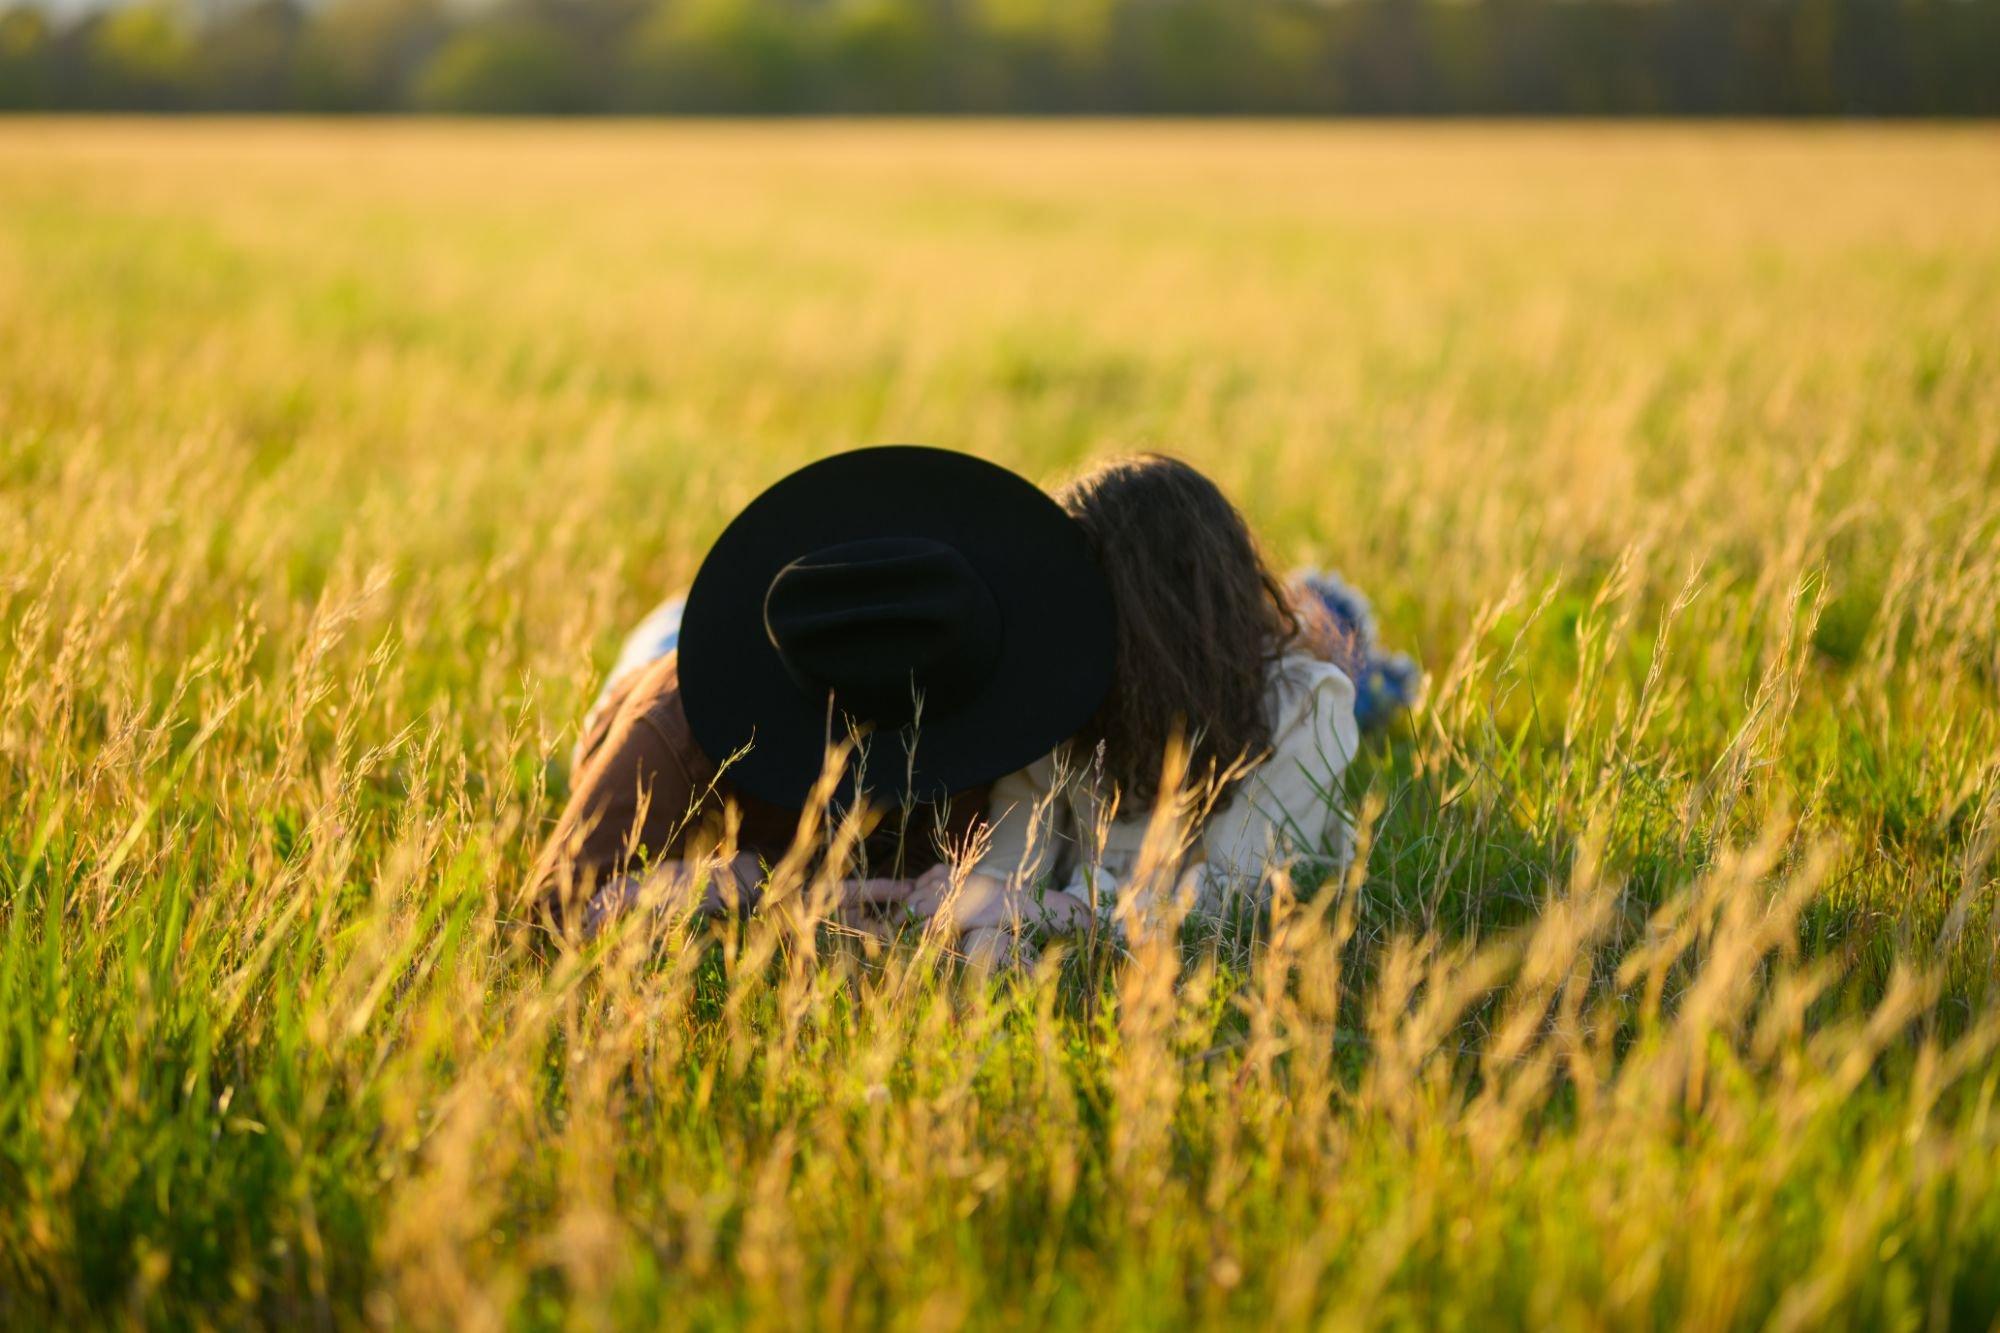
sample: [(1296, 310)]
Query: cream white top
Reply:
[(1045, 824)]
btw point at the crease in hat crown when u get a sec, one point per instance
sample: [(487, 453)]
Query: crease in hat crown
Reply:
[(883, 622)]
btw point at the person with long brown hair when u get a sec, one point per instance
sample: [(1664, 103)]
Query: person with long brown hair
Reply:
[(1234, 687)]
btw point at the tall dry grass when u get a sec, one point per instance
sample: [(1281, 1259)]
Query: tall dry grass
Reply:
[(334, 458)]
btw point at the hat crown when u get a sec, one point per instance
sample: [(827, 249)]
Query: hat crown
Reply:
[(883, 622), (930, 573)]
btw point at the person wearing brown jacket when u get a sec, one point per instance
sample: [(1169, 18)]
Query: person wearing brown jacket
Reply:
[(925, 620)]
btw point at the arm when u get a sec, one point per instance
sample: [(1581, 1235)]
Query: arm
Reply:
[(734, 886), (976, 900), (1290, 805), (634, 796), (735, 883), (1020, 814)]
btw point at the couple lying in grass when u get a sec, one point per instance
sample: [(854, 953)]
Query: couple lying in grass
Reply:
[(990, 689)]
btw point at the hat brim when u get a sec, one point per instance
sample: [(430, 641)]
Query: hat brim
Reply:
[(1057, 638)]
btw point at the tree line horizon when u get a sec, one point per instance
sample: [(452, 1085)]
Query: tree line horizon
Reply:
[(1037, 57)]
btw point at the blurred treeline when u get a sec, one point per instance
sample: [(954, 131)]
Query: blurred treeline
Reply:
[(1879, 57)]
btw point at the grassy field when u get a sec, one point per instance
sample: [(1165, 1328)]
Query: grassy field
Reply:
[(334, 459)]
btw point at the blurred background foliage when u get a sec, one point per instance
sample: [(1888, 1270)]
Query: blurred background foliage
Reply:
[(1585, 57)]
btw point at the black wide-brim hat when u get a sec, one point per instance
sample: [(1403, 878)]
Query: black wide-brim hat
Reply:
[(869, 580)]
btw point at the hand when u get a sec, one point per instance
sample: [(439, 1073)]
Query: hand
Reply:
[(977, 913), (878, 892), (731, 885), (929, 891), (963, 902), (989, 947)]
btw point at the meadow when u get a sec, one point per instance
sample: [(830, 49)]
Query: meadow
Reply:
[(335, 457)]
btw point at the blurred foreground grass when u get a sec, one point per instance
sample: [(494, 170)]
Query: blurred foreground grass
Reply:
[(333, 459)]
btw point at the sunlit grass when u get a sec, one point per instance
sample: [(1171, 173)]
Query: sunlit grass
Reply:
[(334, 458)]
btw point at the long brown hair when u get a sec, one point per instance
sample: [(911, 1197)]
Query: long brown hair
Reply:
[(1200, 619)]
